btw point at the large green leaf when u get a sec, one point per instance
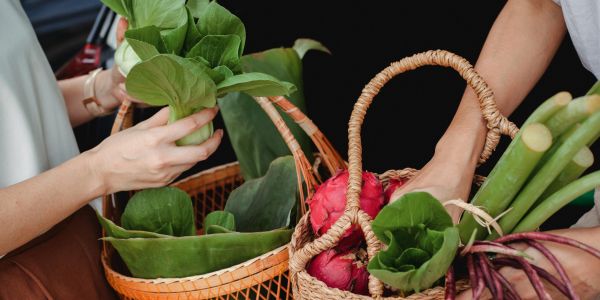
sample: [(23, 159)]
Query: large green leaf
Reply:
[(193, 35), (266, 203), (165, 210), (255, 84), (220, 218), (197, 7), (421, 242), (115, 231), (175, 38), (163, 80), (160, 13), (218, 50), (217, 20), (255, 139), (146, 42), (117, 6), (175, 257), (304, 45)]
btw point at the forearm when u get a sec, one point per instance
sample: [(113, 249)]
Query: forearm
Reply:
[(517, 51), (31, 207), (73, 93)]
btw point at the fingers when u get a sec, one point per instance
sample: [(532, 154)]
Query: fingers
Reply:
[(187, 125), (192, 154), (121, 95), (121, 28), (158, 119)]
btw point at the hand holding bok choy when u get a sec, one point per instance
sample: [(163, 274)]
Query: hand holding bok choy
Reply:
[(186, 56)]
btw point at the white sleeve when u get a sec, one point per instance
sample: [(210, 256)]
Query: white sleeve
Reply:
[(592, 217)]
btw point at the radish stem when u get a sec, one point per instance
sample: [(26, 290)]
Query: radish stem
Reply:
[(577, 111), (511, 293), (508, 176), (569, 290), (534, 278), (541, 272), (491, 282), (559, 199), (536, 185), (544, 236), (450, 290)]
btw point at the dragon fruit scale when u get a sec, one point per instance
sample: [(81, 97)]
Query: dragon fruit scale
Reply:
[(343, 270), (329, 201)]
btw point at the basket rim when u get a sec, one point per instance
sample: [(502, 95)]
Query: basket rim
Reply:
[(247, 263), (205, 172)]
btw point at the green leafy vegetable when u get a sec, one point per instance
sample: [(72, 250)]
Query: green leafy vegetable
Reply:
[(421, 242), (255, 140), (219, 220), (121, 233), (304, 45), (163, 80), (174, 257), (266, 203), (164, 210), (217, 20), (170, 58)]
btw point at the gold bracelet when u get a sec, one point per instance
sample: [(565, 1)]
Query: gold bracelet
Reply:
[(90, 102)]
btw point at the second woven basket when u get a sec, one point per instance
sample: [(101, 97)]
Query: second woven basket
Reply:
[(305, 246)]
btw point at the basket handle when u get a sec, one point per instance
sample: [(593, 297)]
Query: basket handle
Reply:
[(496, 123)]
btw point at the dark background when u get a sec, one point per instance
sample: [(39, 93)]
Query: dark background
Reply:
[(413, 110)]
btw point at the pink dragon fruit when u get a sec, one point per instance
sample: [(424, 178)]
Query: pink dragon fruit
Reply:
[(393, 185), (344, 270), (329, 201)]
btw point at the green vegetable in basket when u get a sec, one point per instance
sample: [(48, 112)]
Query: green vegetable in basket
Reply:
[(186, 57), (164, 210), (153, 242), (421, 242), (174, 257), (255, 140), (266, 203)]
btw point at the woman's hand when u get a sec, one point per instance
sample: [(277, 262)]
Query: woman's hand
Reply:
[(110, 84), (449, 174), (582, 268), (146, 156)]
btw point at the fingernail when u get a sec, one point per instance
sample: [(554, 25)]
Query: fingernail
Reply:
[(217, 108), (219, 132)]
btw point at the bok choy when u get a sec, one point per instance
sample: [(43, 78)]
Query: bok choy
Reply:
[(186, 56)]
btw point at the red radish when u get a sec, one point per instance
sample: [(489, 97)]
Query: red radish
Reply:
[(343, 270), (393, 185), (329, 201)]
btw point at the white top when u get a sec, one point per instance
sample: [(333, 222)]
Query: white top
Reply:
[(35, 133), (583, 23)]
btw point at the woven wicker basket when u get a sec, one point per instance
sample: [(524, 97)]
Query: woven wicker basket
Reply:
[(304, 246), (264, 277)]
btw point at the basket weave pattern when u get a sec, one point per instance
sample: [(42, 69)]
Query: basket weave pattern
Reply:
[(304, 246), (264, 277)]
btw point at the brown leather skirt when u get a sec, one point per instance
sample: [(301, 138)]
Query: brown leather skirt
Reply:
[(63, 263)]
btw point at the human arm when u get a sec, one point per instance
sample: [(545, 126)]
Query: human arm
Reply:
[(108, 87), (143, 156), (517, 51), (582, 268)]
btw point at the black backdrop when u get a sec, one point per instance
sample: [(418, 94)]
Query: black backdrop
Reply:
[(413, 110)]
